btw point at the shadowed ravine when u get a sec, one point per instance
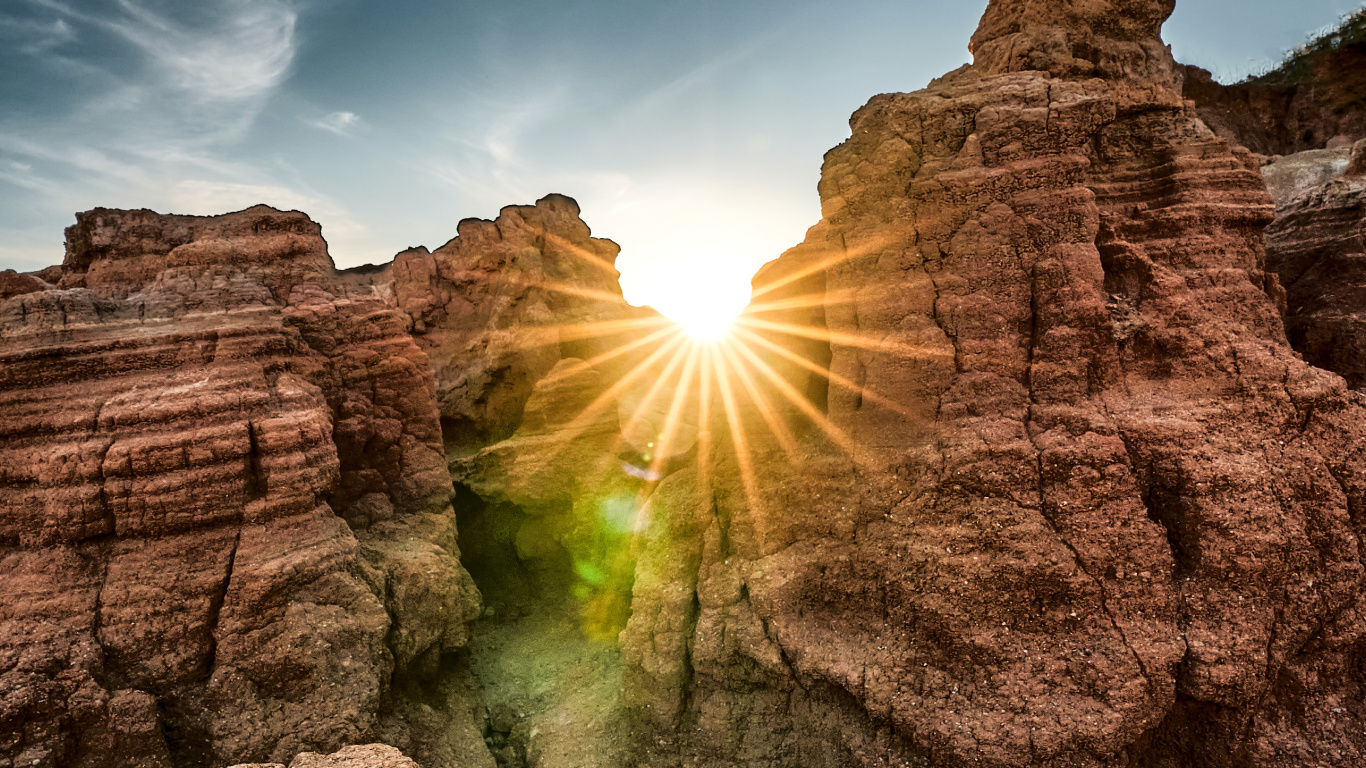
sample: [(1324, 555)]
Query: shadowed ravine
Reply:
[(1011, 462)]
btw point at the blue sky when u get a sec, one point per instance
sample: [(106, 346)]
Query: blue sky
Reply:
[(690, 133)]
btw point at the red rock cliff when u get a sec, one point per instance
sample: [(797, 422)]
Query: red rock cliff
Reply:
[(1098, 512), (1318, 247), (224, 516)]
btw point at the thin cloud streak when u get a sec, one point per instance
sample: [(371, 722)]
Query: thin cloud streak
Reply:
[(173, 97), (340, 123), (247, 53)]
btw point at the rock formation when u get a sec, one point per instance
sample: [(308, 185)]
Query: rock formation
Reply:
[(1274, 117), (498, 306), (360, 756), (225, 515), (1009, 463), (1316, 246), (1097, 511)]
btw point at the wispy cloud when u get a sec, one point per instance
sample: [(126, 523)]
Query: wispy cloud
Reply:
[(153, 101), (34, 37), (340, 123), (485, 154), (244, 53), (705, 73), (208, 79)]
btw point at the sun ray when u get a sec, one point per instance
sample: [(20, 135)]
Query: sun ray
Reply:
[(819, 370), (532, 337), (601, 328), (612, 354), (743, 460), (820, 266), (786, 440), (640, 369), (583, 254), (847, 339), (623, 565), (704, 418), (805, 301), (674, 415), (655, 389), (566, 289), (821, 420), (576, 426)]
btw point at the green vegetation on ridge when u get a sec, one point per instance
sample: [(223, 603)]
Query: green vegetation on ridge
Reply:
[(1333, 62)]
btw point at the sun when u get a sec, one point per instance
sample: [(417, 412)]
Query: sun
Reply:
[(704, 309), (703, 322), (698, 279)]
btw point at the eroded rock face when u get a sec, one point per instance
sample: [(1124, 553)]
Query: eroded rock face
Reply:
[(1290, 176), (1316, 245), (1275, 118), (1096, 511), (498, 306), (224, 503), (1036, 480), (359, 756)]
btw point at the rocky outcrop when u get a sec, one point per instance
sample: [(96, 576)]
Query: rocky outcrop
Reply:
[(1316, 246), (1290, 176), (1009, 463), (498, 306), (224, 505), (226, 523), (1275, 117), (1314, 99), (360, 756), (1067, 496)]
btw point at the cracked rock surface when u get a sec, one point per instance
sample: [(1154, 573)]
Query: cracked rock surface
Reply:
[(224, 503), (1102, 515), (1318, 247), (1040, 481)]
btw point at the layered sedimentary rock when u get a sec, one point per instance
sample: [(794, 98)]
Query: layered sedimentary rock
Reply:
[(359, 756), (1316, 246), (224, 504), (498, 306), (1072, 498), (1010, 463), (224, 496), (1274, 117)]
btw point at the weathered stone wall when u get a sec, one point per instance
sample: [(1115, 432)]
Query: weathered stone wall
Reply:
[(1108, 515), (224, 505), (1317, 247)]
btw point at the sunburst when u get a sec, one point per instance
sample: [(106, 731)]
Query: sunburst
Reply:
[(693, 377)]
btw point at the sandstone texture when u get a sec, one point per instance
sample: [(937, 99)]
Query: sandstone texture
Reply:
[(1010, 463), (1317, 246), (359, 756), (1271, 116), (1077, 501), (224, 505), (499, 305)]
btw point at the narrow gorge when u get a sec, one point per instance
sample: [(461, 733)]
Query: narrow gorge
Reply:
[(1045, 447)]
